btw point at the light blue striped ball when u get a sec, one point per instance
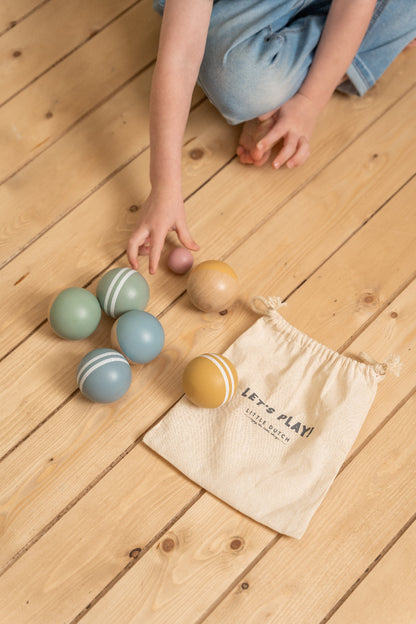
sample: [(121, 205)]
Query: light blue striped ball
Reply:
[(104, 375), (139, 336), (123, 289)]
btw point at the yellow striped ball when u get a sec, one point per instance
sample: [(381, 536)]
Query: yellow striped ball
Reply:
[(210, 380), (212, 286)]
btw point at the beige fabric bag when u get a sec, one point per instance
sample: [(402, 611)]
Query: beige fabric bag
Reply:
[(273, 451)]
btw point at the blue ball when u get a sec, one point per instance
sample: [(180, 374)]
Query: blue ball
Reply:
[(104, 375), (138, 335)]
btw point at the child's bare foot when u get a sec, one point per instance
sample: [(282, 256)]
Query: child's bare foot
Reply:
[(253, 131)]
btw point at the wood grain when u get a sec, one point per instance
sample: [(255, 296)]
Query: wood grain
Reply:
[(51, 104), (136, 496), (49, 34), (391, 585), (12, 11)]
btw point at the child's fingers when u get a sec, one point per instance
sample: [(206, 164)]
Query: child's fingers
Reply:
[(302, 153), (156, 247), (271, 138), (185, 237), (135, 241), (287, 151)]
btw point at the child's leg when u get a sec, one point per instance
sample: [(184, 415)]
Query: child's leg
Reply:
[(258, 53), (392, 28)]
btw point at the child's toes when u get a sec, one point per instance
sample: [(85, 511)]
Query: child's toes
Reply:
[(245, 157), (258, 153), (259, 162)]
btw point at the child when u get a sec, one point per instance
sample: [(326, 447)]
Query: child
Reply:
[(272, 64)]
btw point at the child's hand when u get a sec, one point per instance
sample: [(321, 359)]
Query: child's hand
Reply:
[(294, 123), (158, 215)]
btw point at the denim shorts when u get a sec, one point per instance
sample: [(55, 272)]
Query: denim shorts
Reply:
[(258, 52)]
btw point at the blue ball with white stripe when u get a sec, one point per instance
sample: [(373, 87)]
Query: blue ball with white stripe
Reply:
[(104, 375), (121, 290)]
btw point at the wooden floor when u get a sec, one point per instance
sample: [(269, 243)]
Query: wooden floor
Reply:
[(95, 528)]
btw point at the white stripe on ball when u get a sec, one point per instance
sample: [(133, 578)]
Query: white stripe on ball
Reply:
[(229, 371), (100, 356), (220, 365), (117, 290), (86, 370), (113, 284)]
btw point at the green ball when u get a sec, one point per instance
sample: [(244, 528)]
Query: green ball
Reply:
[(74, 314), (121, 290)]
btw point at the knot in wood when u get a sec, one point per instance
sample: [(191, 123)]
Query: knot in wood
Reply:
[(133, 208), (21, 279), (135, 553), (237, 543), (17, 53), (245, 585), (394, 315), (168, 544), (196, 153), (369, 298)]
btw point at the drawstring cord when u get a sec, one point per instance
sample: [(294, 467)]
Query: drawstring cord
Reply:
[(267, 305), (392, 364), (270, 305)]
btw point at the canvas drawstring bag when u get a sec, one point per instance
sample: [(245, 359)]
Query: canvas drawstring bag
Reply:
[(273, 451)]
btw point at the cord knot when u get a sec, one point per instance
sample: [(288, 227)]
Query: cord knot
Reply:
[(392, 364)]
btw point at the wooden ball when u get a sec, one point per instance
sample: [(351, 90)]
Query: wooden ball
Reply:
[(104, 375), (212, 286), (138, 335), (180, 260), (210, 380), (74, 313), (121, 290)]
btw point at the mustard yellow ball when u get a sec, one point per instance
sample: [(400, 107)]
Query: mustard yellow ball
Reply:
[(212, 286), (210, 380)]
